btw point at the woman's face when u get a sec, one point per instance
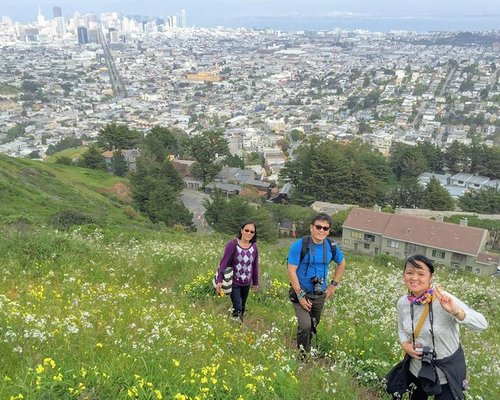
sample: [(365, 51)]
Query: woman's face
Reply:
[(417, 280), (248, 232)]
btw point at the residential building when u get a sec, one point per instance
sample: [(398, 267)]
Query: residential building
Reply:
[(459, 246)]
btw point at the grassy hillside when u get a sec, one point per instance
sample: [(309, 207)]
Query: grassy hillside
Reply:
[(117, 316), (35, 191)]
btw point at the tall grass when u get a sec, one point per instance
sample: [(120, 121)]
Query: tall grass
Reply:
[(90, 314)]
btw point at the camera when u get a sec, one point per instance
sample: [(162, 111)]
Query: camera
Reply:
[(427, 355), (318, 285)]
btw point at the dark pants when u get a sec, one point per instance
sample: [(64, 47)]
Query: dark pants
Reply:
[(419, 394), (239, 296), (306, 319)]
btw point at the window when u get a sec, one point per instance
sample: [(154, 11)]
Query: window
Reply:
[(393, 244), (356, 235), (366, 246), (369, 238), (468, 268), (438, 253), (347, 241), (478, 271)]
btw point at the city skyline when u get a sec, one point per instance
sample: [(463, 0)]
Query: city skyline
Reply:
[(286, 15)]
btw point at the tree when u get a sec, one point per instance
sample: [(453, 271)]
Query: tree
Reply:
[(117, 136), (436, 197), (226, 215), (485, 201), (206, 148), (119, 165), (162, 141), (66, 143), (456, 157), (433, 156), (406, 161), (407, 194), (92, 159), (155, 190)]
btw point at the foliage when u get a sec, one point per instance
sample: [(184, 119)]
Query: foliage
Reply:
[(92, 159), (234, 161), (205, 149), (155, 189), (67, 218), (117, 136), (485, 201), (162, 142), (66, 143), (114, 315), (16, 131), (329, 171), (407, 161), (119, 165), (408, 194), (64, 160), (436, 197), (226, 215), (299, 215)]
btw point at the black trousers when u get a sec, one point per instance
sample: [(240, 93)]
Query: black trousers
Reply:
[(306, 319), (239, 296)]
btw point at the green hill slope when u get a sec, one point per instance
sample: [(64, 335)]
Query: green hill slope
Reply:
[(35, 191)]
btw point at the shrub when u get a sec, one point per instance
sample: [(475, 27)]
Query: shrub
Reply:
[(67, 218)]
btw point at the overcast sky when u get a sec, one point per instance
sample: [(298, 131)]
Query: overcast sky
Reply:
[(208, 12)]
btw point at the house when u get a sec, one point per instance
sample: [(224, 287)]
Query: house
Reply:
[(459, 246), (230, 180)]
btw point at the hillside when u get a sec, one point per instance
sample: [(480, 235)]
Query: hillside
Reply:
[(114, 315), (35, 191)]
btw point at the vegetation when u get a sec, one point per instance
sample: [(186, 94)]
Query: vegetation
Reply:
[(111, 314), (205, 148)]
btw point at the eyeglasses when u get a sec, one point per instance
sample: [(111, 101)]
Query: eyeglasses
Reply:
[(321, 227), (249, 231)]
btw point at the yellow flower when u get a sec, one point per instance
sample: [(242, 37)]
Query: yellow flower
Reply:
[(175, 362), (158, 394), (99, 345), (40, 369), (180, 396)]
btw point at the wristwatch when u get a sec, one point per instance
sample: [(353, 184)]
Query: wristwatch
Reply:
[(334, 283)]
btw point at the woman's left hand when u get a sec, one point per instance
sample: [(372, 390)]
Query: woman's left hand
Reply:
[(255, 288), (446, 301)]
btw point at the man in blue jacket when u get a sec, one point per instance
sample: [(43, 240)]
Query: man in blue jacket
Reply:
[(308, 267)]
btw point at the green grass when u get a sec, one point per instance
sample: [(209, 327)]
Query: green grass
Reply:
[(71, 153), (33, 191), (116, 314)]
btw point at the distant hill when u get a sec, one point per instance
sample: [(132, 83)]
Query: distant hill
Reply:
[(36, 191)]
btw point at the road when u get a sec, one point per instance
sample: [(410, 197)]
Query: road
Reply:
[(193, 200)]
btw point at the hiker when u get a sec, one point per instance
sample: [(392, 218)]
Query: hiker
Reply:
[(308, 266), (437, 364), (243, 255)]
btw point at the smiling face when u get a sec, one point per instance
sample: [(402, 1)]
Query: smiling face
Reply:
[(319, 230), (248, 232), (417, 280)]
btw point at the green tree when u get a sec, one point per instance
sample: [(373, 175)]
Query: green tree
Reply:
[(407, 194), (118, 163), (226, 215), (162, 141), (436, 197), (234, 161), (206, 149), (297, 135), (485, 201), (117, 136), (432, 155), (456, 157), (66, 143), (92, 159), (406, 161)]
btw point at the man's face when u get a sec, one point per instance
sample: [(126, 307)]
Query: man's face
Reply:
[(320, 230)]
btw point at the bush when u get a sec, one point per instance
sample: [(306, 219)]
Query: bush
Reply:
[(131, 212), (67, 218)]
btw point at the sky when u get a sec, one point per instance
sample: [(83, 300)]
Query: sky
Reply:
[(485, 13)]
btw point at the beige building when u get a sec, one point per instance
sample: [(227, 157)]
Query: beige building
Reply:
[(462, 247)]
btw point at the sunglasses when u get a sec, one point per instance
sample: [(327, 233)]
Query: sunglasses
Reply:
[(321, 227), (249, 231)]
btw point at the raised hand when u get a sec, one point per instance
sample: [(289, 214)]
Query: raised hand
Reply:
[(446, 301)]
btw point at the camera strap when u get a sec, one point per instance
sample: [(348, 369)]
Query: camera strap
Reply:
[(427, 311), (312, 254)]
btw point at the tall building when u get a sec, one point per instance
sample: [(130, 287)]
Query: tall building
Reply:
[(83, 37), (57, 12), (183, 18)]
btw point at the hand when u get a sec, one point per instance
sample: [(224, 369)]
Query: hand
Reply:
[(408, 348), (330, 291), (305, 303), (255, 288), (218, 288), (446, 301)]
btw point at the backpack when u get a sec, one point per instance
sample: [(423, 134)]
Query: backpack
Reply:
[(304, 249)]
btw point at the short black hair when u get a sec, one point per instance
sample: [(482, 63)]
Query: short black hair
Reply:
[(254, 238), (418, 257), (322, 217)]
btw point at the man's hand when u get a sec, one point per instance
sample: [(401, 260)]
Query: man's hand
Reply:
[(330, 291), (305, 303)]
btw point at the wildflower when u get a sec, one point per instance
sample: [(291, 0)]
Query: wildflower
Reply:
[(180, 396), (176, 362), (158, 394), (99, 345)]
